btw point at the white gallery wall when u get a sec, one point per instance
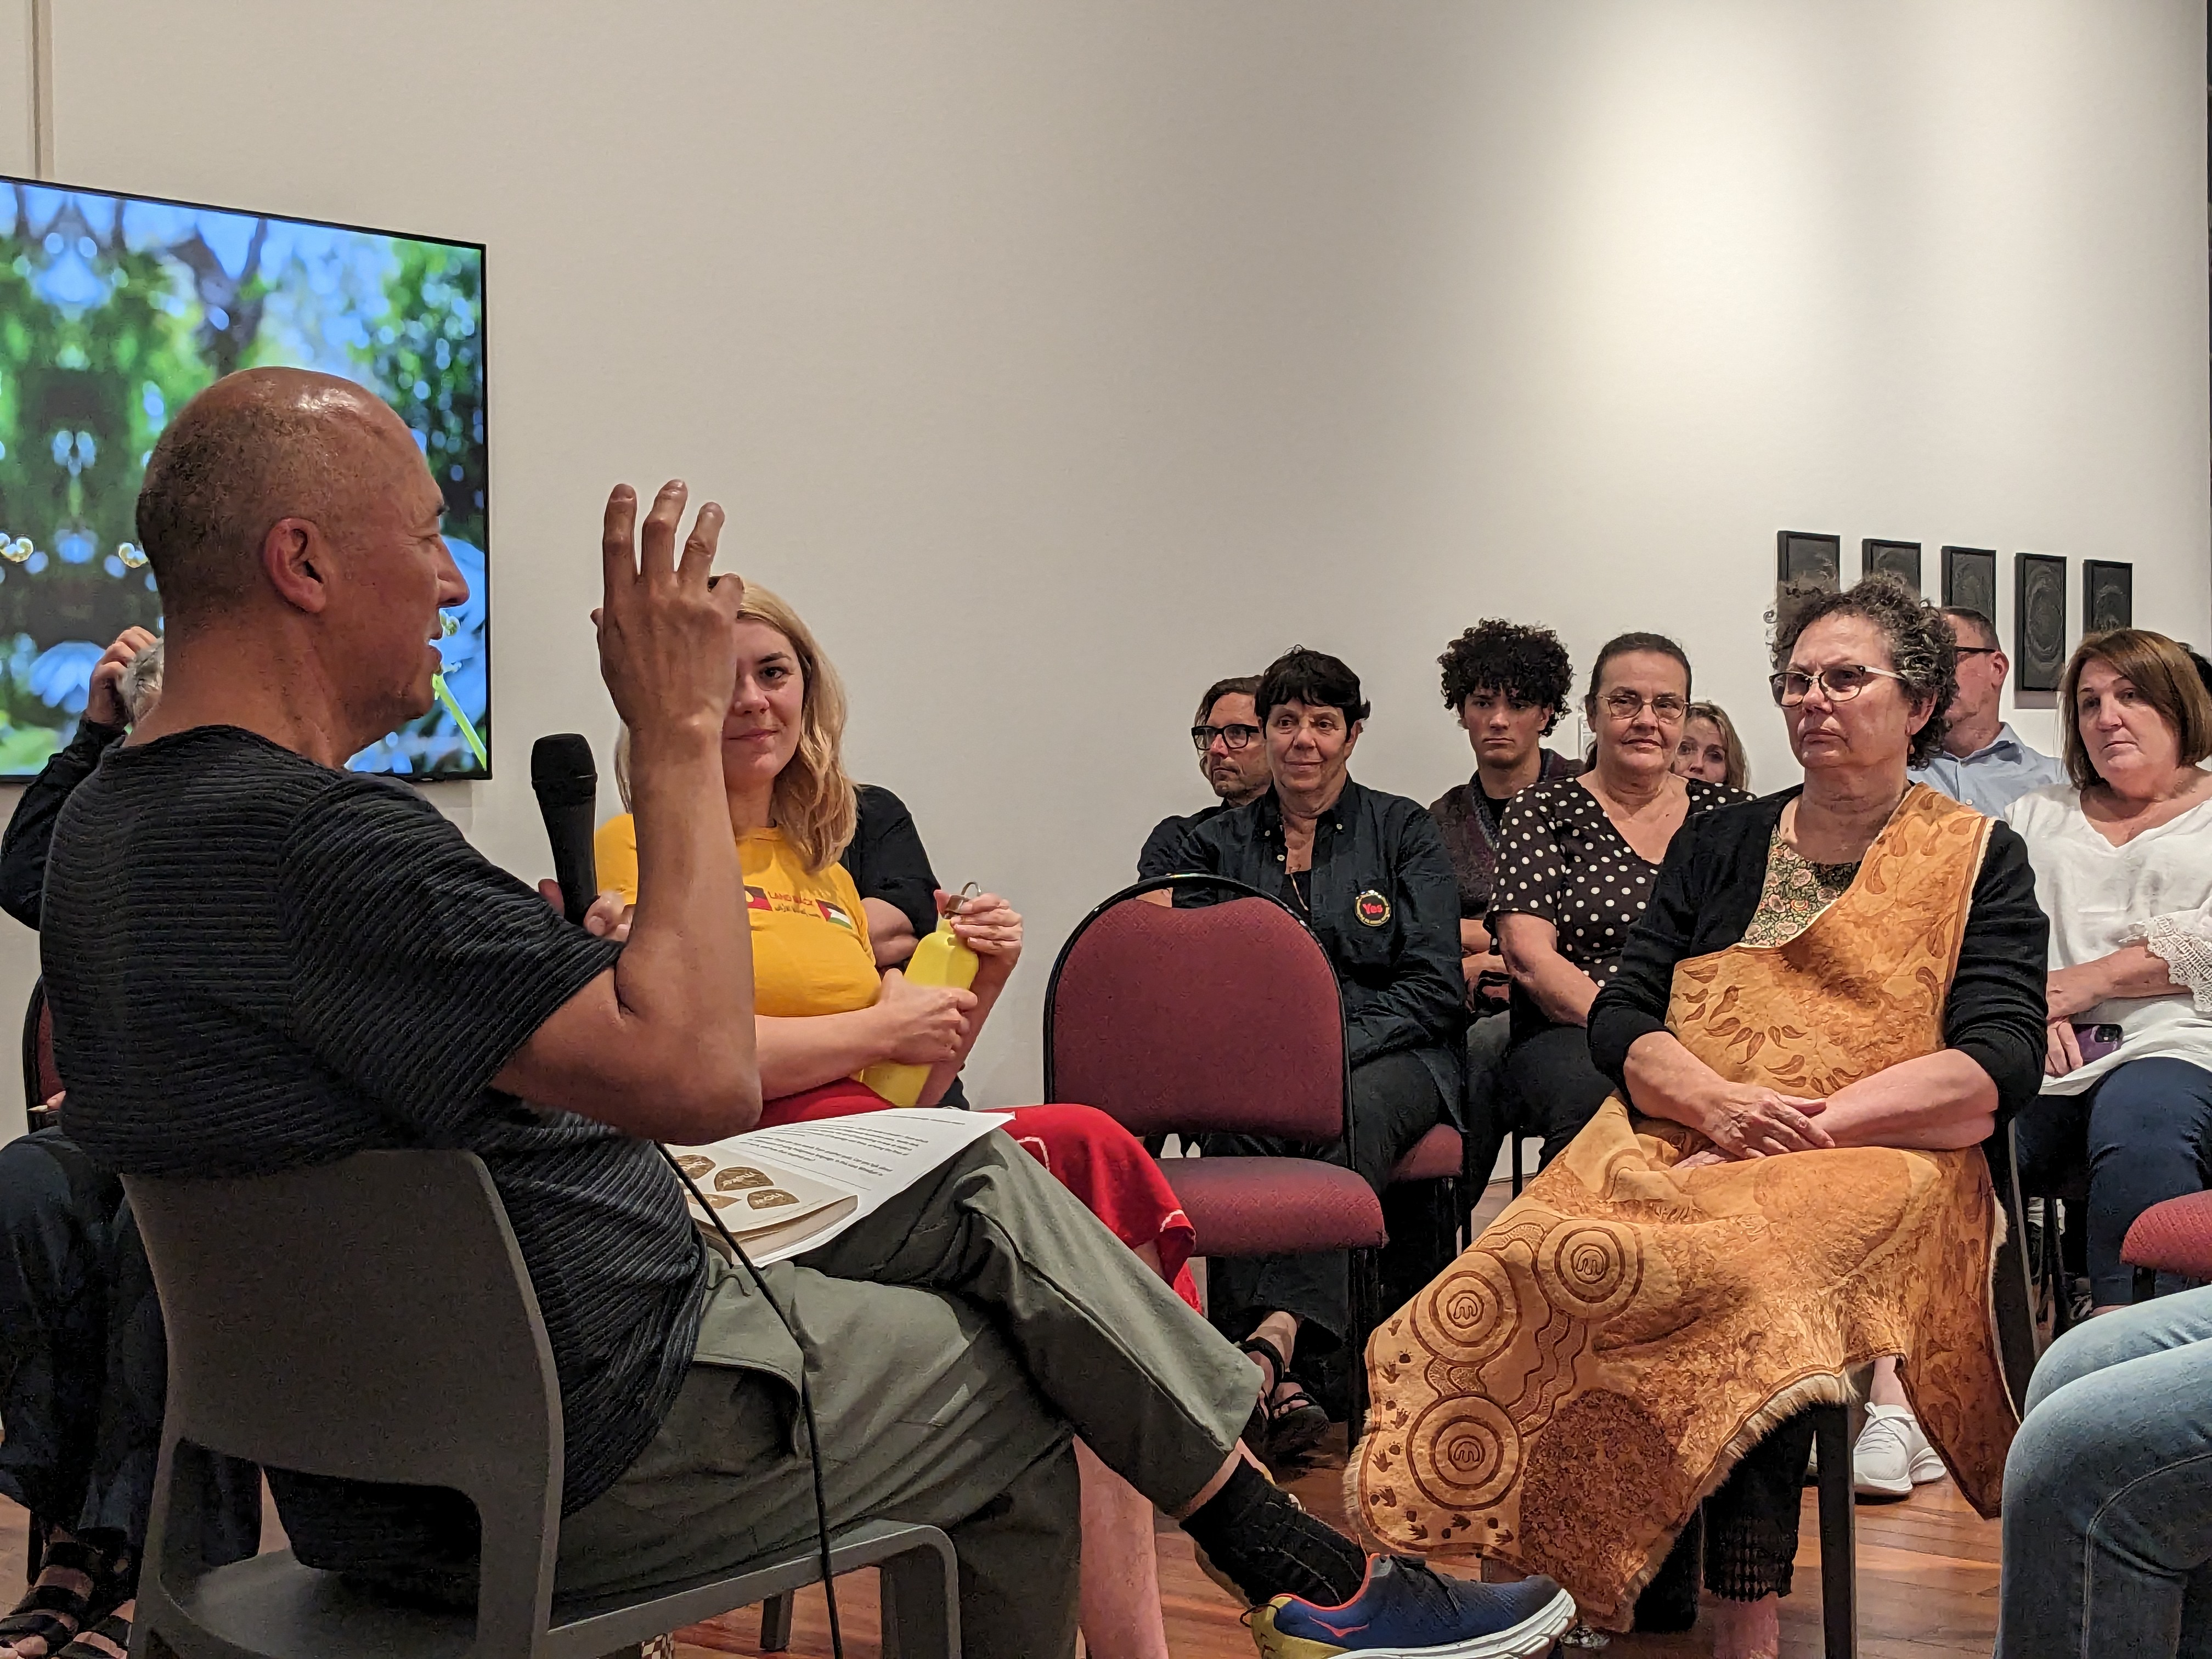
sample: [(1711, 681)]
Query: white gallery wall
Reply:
[(1054, 360)]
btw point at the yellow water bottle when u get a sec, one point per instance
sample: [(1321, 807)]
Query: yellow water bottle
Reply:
[(939, 959)]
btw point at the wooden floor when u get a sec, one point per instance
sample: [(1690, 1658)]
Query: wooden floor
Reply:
[(1927, 1577), (1927, 1582)]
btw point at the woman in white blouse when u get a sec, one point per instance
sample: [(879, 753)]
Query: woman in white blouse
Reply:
[(2123, 858)]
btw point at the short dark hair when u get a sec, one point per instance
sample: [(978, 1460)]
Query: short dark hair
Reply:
[(1524, 663), (1622, 644), (254, 447), (1239, 685), (1922, 651), (1985, 631), (1314, 678)]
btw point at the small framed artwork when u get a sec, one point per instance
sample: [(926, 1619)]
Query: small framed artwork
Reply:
[(2039, 620), (1970, 580), (1898, 559), (2108, 595), (1809, 560)]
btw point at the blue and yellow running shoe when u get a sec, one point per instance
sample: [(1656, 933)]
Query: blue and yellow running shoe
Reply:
[(1406, 1610)]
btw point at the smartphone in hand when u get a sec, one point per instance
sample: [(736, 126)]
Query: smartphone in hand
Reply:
[(2095, 1042)]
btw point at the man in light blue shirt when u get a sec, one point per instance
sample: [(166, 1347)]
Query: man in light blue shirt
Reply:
[(1982, 761)]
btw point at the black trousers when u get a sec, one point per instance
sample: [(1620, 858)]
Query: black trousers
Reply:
[(84, 1361), (1487, 1111), (1395, 1102), (1746, 1532), (1558, 1088)]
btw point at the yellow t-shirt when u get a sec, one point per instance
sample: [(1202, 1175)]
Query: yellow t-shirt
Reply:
[(810, 949)]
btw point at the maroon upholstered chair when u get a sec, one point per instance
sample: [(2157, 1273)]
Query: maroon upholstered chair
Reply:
[(1220, 1016), (2173, 1237), (1434, 1157)]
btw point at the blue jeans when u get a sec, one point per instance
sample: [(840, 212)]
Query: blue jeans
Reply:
[(2144, 1129), (2108, 1491)]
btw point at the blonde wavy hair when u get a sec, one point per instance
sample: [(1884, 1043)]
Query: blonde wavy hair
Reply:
[(813, 804), (1738, 773)]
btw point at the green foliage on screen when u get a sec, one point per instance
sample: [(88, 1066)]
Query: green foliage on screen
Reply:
[(113, 313)]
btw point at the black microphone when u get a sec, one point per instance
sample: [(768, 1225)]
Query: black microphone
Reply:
[(567, 786)]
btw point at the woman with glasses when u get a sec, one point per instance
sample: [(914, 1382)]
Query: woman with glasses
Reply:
[(1575, 859), (1833, 994)]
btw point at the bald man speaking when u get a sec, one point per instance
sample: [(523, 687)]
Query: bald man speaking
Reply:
[(258, 961)]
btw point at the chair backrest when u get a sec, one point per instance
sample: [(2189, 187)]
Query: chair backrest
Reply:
[(371, 1319), (42, 1081), (1222, 1016)]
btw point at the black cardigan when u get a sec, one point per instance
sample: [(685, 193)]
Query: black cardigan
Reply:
[(31, 831), (1708, 890)]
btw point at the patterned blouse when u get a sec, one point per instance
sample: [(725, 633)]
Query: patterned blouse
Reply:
[(1796, 891), (1559, 857)]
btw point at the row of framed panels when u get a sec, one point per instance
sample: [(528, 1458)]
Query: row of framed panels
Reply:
[(1809, 560)]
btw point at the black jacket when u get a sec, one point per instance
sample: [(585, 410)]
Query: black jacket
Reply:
[(31, 831), (1162, 848), (1403, 987), (1708, 890)]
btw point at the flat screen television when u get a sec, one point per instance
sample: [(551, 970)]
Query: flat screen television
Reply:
[(114, 310)]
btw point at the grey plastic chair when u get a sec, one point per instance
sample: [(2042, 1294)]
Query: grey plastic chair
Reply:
[(372, 1320)]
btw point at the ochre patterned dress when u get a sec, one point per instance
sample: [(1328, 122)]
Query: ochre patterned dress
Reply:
[(1566, 1393)]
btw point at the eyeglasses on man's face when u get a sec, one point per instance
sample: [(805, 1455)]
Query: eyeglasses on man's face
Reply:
[(1626, 705), (1233, 738), (1839, 683), (1974, 650)]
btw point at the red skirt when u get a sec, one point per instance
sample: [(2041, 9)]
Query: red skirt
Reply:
[(1105, 1166)]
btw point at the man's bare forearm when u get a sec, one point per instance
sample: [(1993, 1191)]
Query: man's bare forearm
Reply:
[(685, 979)]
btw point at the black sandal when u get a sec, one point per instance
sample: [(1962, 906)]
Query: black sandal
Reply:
[(1295, 1425), (1256, 1427), (1282, 1430), (55, 1613), (108, 1640)]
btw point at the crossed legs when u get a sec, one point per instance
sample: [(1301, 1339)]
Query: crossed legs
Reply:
[(952, 1341), (2107, 1525)]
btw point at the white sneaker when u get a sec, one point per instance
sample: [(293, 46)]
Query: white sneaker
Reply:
[(1892, 1456)]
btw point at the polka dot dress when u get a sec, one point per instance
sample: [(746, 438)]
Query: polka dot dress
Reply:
[(1559, 857)]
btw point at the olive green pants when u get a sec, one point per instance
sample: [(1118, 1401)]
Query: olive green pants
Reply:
[(954, 1342)]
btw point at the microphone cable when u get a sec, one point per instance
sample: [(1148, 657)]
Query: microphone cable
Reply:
[(805, 1397)]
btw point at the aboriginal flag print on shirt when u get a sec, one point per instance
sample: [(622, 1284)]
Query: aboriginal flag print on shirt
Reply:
[(810, 949)]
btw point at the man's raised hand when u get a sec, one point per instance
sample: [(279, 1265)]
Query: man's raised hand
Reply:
[(667, 650)]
